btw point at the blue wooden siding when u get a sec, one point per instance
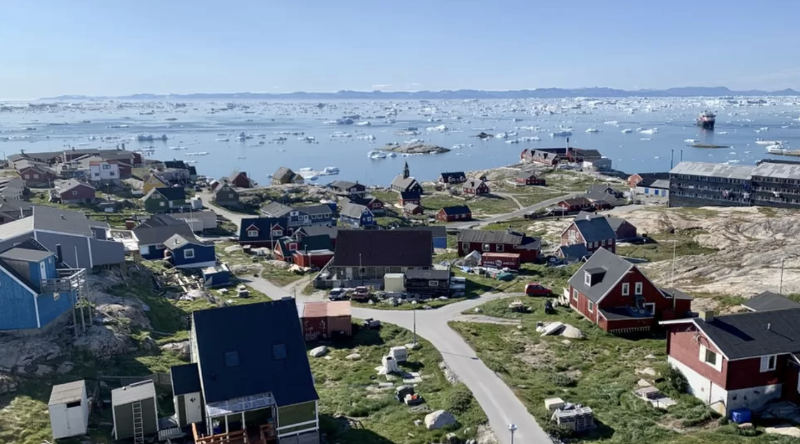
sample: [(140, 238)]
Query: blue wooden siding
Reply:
[(439, 242), (19, 306), (51, 307), (153, 254), (202, 253)]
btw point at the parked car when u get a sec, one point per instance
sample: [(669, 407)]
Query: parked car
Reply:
[(505, 276), (337, 294), (361, 294), (537, 289)]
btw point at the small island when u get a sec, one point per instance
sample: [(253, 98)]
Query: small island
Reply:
[(415, 148)]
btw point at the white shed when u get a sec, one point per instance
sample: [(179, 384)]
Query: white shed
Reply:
[(394, 282), (69, 409)]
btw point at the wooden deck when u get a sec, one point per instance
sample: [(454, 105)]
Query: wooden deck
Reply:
[(258, 434)]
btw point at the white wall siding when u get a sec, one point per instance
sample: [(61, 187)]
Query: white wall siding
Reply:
[(753, 397), (702, 388)]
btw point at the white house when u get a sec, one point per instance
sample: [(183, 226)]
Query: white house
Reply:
[(69, 410), (103, 171)]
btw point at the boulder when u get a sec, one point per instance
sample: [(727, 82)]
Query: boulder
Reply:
[(102, 342), (233, 248), (572, 332), (43, 370), (179, 348), (439, 419), (452, 438), (65, 367), (649, 371), (353, 357), (319, 351), (20, 352)]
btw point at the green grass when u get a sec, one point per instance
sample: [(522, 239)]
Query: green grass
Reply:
[(350, 388), (490, 204), (684, 245), (126, 209), (278, 276), (598, 371)]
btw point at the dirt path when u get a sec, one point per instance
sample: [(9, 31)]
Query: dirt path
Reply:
[(482, 319)]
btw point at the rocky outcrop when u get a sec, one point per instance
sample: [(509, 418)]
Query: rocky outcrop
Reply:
[(21, 352), (439, 419), (103, 342), (416, 148)]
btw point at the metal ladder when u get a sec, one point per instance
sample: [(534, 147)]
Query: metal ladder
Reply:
[(138, 423)]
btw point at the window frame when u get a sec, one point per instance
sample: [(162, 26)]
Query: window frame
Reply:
[(186, 253), (574, 294), (252, 233), (487, 247), (638, 288), (765, 363), (626, 289), (587, 278), (590, 306), (500, 248)]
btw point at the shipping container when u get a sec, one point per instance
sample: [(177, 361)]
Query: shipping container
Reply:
[(326, 320), (501, 260)]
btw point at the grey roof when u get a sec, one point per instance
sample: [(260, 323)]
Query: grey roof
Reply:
[(16, 228), (574, 253), (353, 210), (66, 393), (283, 173), (614, 267), (345, 185), (428, 274), (403, 182), (61, 221), (383, 248), (674, 292), (706, 169), (70, 184), (621, 313), (272, 358), (473, 183), (179, 240), (595, 229), (132, 393), (160, 227), (660, 183), (317, 230), (778, 170), (276, 209), (769, 301), (752, 334), (506, 237), (315, 209), (25, 254), (615, 222)]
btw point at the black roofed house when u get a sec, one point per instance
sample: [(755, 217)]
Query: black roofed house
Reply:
[(370, 254), (769, 301), (286, 176), (475, 187), (374, 204), (226, 196), (347, 188), (263, 231), (320, 214), (255, 381), (603, 196), (529, 178), (239, 179), (614, 294), (356, 215), (165, 199), (592, 232), (152, 235), (429, 283), (454, 213), (409, 197), (500, 241), (622, 228), (453, 177), (742, 360)]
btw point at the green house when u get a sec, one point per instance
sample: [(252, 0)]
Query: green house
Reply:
[(164, 200)]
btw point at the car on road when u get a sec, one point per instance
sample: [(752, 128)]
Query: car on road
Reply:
[(361, 294), (337, 294), (537, 289)]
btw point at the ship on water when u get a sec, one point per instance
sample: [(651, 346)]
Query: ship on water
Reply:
[(706, 120)]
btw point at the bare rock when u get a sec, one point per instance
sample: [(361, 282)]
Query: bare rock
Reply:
[(353, 357), (572, 332), (452, 438), (148, 344), (448, 373), (439, 419), (20, 352), (318, 352), (279, 264), (246, 269), (648, 371), (104, 343), (65, 367), (43, 370), (127, 310), (179, 348), (233, 248), (478, 310)]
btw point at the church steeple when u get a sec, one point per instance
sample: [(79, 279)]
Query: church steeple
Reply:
[(406, 171)]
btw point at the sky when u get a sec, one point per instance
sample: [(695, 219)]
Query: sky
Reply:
[(102, 47)]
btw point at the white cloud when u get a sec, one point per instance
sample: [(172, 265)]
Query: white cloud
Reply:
[(382, 86)]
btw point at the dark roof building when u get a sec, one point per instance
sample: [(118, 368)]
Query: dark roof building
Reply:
[(605, 269), (160, 227), (456, 210), (505, 237), (767, 301), (595, 229), (383, 248)]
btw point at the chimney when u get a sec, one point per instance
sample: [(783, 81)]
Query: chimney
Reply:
[(59, 253), (706, 315), (769, 326)]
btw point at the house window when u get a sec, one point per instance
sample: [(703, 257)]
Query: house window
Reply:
[(252, 233), (111, 173), (106, 166), (27, 176), (161, 204), (587, 279), (768, 363), (465, 246), (96, 174), (188, 253), (487, 247), (433, 283), (574, 294), (277, 232), (710, 357), (230, 195), (35, 176), (499, 248), (638, 289), (74, 193), (626, 289), (590, 306)]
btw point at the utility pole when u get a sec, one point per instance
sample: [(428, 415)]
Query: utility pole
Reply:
[(512, 428), (780, 289), (415, 324)]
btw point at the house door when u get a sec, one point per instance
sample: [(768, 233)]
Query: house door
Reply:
[(650, 307), (42, 271), (349, 272)]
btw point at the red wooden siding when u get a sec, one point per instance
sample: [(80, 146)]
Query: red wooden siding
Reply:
[(683, 344)]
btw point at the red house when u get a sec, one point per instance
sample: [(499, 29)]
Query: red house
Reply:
[(475, 187), (593, 232), (409, 197), (742, 360), (373, 203), (240, 180), (312, 258), (73, 192), (528, 178), (508, 241), (612, 293), (454, 213), (576, 204)]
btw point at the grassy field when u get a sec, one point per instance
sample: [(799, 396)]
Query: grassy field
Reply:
[(681, 244), (278, 276), (490, 204), (350, 388), (599, 371)]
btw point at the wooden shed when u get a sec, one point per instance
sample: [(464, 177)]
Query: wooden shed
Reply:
[(186, 394), (326, 320), (133, 408), (69, 409)]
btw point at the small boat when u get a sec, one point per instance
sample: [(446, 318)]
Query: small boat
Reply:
[(592, 130), (776, 149)]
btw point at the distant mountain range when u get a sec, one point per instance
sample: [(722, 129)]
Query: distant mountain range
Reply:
[(461, 94)]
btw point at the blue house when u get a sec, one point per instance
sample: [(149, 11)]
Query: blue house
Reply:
[(28, 294), (188, 252), (356, 215), (153, 233)]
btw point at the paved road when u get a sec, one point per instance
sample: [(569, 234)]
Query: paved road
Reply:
[(498, 401), (513, 214), (236, 218)]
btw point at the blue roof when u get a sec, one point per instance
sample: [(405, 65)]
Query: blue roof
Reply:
[(185, 379), (252, 332)]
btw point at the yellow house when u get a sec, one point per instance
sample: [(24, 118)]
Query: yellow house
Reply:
[(153, 182)]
